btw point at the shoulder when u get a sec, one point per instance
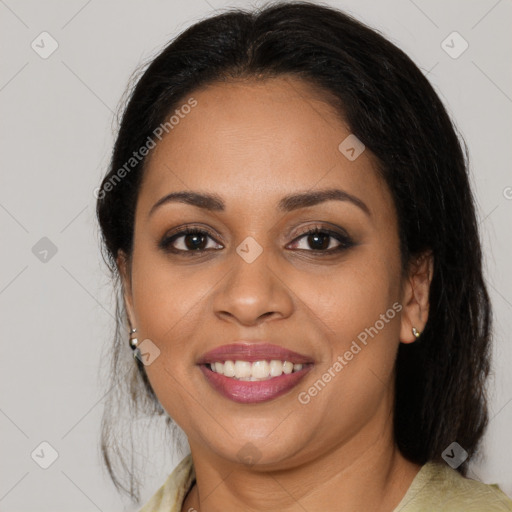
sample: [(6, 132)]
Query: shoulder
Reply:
[(438, 487), (169, 498)]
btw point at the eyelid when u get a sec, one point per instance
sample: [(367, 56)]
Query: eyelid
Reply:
[(324, 227), (180, 231)]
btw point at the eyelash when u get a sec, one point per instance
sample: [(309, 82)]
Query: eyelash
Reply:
[(344, 240)]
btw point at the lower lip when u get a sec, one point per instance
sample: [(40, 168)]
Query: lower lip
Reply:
[(247, 392)]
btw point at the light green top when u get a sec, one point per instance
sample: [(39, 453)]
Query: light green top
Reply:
[(436, 488)]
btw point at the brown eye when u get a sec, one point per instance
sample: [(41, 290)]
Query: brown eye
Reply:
[(322, 240), (186, 241)]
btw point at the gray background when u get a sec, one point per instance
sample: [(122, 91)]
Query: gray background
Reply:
[(56, 135)]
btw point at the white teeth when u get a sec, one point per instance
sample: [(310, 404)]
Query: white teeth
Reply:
[(287, 367), (276, 368), (258, 370), (242, 369), (229, 368)]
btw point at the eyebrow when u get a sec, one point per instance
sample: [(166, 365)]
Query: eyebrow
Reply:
[(213, 202)]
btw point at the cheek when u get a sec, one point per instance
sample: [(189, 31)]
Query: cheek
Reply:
[(359, 309), (169, 301), (351, 298), (166, 295)]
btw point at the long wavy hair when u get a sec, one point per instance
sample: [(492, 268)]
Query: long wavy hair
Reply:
[(391, 107)]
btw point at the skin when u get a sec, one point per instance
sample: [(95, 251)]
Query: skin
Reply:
[(253, 143)]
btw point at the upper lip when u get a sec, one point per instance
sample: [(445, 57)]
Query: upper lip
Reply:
[(250, 351)]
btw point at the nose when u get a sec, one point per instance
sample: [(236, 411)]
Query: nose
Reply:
[(252, 292)]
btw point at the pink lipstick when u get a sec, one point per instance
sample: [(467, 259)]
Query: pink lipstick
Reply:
[(253, 372)]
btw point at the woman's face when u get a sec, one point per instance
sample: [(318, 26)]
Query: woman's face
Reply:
[(336, 298)]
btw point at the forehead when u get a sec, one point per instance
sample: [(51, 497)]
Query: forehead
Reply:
[(257, 141)]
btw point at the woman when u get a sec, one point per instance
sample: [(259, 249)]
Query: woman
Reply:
[(289, 213)]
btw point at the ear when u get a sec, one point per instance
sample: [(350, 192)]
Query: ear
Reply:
[(415, 296), (124, 267)]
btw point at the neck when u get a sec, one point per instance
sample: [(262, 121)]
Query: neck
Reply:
[(365, 473)]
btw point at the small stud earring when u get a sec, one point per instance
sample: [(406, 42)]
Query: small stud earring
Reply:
[(416, 332), (133, 341)]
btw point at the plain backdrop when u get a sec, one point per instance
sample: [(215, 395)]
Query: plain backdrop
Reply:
[(57, 120)]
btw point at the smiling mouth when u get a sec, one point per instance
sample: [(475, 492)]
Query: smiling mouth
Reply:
[(247, 387), (251, 372), (255, 371)]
